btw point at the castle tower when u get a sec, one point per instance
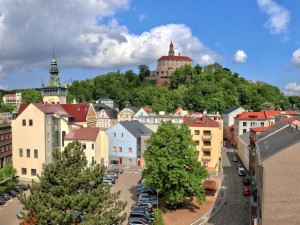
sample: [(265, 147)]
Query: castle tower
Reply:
[(54, 92), (171, 51)]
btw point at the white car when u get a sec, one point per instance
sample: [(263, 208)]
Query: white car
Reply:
[(241, 171)]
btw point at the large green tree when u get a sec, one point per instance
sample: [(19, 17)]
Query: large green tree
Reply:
[(172, 164), (69, 186), (9, 170)]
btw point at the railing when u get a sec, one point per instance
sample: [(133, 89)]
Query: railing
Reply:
[(206, 148), (206, 158), (206, 137)]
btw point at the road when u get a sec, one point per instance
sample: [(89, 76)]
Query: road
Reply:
[(237, 207)]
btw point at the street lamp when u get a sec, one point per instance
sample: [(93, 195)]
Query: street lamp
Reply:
[(157, 204)]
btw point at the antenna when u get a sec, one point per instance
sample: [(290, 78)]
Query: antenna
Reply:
[(53, 52)]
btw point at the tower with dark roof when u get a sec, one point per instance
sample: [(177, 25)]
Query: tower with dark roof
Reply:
[(54, 92)]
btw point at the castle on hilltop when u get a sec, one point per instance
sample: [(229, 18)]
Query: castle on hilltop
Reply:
[(166, 65)]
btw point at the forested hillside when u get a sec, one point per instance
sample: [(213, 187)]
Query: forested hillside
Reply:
[(212, 87)]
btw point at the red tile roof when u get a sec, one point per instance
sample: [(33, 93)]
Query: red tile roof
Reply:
[(251, 116), (22, 108), (83, 133), (271, 113), (203, 121), (51, 108), (79, 111), (9, 95), (147, 109), (174, 57)]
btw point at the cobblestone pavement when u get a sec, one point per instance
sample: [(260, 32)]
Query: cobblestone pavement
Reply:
[(237, 207)]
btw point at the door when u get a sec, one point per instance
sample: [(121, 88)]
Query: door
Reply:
[(139, 163), (120, 160)]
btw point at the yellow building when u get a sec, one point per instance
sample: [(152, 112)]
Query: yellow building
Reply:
[(208, 135), (40, 128), (127, 113), (93, 140)]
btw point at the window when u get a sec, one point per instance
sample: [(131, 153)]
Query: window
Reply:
[(24, 171), (84, 145), (121, 134), (28, 153), (205, 164), (24, 122), (48, 137), (207, 133), (196, 132), (244, 130), (35, 153), (120, 149), (33, 172), (114, 149), (130, 161), (206, 143), (244, 124), (206, 153), (63, 134), (30, 122), (93, 146), (197, 142), (93, 159), (21, 152), (129, 150), (115, 134), (262, 124)]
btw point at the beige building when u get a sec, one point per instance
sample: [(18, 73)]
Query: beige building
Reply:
[(277, 165), (243, 147), (93, 140), (40, 128), (127, 113), (13, 99), (208, 135)]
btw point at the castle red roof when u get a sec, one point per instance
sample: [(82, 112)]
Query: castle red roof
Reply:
[(83, 133), (174, 57), (78, 111), (9, 95), (203, 121)]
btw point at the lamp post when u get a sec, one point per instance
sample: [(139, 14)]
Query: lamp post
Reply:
[(157, 204)]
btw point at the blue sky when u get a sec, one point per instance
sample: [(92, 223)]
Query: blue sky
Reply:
[(260, 39)]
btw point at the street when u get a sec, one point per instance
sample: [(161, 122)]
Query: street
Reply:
[(236, 208)]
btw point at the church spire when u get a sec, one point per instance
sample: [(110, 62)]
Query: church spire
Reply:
[(54, 78), (171, 51)]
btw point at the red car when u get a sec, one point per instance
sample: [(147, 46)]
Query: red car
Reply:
[(246, 191)]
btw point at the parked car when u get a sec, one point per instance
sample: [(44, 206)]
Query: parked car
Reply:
[(143, 215), (138, 220), (5, 196), (16, 189), (246, 191), (148, 204), (2, 201), (149, 191), (234, 159), (153, 201), (241, 172), (109, 182), (11, 193), (143, 208), (239, 166), (115, 170), (116, 162), (113, 180), (115, 175), (146, 195), (22, 186), (246, 181)]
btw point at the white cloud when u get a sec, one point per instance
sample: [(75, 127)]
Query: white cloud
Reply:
[(292, 89), (240, 56), (85, 34), (142, 17), (296, 58), (279, 17)]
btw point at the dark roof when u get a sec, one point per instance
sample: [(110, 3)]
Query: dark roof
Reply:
[(231, 109), (245, 137), (136, 128), (278, 141), (104, 99), (134, 109), (99, 106), (112, 113), (272, 129)]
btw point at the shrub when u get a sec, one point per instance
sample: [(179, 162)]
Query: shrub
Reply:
[(158, 218)]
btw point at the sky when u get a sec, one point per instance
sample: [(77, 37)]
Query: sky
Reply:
[(258, 39)]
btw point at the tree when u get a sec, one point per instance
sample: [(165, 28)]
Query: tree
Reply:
[(9, 170), (2, 175), (31, 96), (173, 166), (8, 108), (68, 187), (143, 72)]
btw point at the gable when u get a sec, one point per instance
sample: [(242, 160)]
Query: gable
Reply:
[(91, 115), (140, 113)]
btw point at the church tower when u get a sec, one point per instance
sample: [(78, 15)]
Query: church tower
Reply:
[(54, 92)]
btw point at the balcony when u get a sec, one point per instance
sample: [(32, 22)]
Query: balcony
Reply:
[(206, 148), (206, 158), (206, 137)]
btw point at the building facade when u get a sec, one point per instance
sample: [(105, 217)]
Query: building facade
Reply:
[(127, 142), (107, 117), (127, 113), (5, 144), (243, 148), (54, 92), (93, 140), (13, 99), (208, 136), (228, 118)]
